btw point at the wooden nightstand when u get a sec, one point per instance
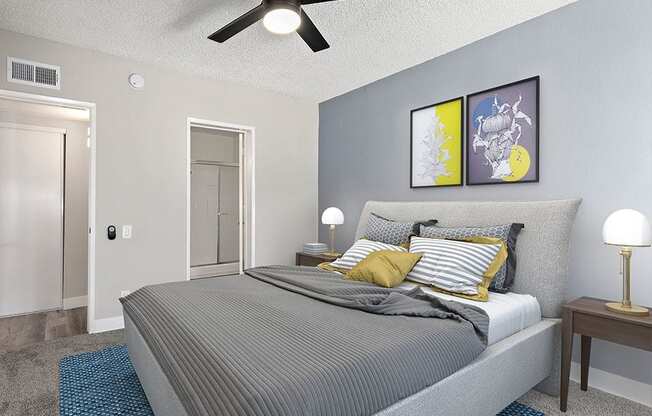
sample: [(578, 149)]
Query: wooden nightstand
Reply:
[(590, 318), (304, 259)]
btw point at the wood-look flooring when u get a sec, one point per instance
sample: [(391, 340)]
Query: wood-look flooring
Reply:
[(18, 331)]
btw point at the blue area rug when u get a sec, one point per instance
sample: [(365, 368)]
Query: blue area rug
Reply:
[(101, 383), (104, 383), (518, 409)]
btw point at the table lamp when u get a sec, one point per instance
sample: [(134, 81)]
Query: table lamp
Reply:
[(332, 216), (627, 228)]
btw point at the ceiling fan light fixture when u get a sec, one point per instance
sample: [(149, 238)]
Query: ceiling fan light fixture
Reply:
[(282, 20), (278, 16)]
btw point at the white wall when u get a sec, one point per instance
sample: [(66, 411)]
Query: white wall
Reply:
[(75, 249), (141, 160)]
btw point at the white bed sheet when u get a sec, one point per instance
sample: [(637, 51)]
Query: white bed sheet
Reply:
[(508, 313)]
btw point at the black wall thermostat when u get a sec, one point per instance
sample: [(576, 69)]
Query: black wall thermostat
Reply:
[(111, 232)]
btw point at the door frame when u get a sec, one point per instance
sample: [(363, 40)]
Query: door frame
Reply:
[(247, 197), (92, 174)]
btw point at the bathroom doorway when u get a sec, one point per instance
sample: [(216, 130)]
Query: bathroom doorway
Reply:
[(220, 199)]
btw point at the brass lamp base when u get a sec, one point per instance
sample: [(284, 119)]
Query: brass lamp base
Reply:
[(627, 310), (626, 307)]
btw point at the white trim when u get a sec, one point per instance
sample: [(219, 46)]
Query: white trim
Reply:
[(31, 312), (188, 203), (76, 302), (247, 186), (213, 270), (91, 107), (45, 99), (18, 126), (219, 125), (107, 324), (241, 201), (614, 384), (250, 161), (92, 225)]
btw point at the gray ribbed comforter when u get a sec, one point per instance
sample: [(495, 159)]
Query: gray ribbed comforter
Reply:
[(301, 341)]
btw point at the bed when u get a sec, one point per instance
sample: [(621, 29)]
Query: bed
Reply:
[(519, 347)]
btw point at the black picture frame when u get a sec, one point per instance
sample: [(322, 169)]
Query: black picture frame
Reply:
[(469, 136), (462, 140)]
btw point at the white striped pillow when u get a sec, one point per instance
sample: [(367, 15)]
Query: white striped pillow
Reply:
[(458, 267), (361, 249)]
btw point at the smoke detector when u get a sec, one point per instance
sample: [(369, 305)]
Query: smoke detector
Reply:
[(136, 81)]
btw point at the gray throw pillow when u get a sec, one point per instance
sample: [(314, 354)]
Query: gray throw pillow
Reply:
[(392, 232), (508, 233)]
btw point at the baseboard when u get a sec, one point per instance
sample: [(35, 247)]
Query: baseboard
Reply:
[(616, 385), (76, 302), (106, 324), (223, 269)]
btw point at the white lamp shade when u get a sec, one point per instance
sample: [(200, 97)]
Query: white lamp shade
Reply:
[(332, 216), (627, 227)]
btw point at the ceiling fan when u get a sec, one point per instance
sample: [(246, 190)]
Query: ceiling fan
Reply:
[(281, 17)]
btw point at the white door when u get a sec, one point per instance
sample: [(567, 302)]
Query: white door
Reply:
[(31, 219), (204, 215), (229, 215)]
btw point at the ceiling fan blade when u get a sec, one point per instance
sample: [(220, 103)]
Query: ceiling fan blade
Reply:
[(239, 24), (310, 34), (313, 1)]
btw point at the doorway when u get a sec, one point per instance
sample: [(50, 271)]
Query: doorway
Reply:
[(45, 214), (220, 198), (71, 251)]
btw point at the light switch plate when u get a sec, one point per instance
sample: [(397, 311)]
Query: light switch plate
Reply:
[(126, 231)]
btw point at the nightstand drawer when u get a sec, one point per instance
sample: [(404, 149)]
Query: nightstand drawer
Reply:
[(611, 330)]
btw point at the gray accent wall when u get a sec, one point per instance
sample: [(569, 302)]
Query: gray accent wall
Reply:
[(595, 63)]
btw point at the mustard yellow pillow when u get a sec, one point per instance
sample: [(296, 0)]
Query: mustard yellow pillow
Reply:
[(327, 265), (385, 268)]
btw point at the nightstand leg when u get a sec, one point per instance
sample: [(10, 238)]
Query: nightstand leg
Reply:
[(586, 359), (566, 354)]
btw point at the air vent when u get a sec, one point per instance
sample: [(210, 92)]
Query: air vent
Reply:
[(31, 73)]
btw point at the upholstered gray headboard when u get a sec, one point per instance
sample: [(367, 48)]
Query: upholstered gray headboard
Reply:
[(542, 248)]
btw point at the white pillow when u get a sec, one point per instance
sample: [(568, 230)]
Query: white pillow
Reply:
[(457, 266), (361, 249)]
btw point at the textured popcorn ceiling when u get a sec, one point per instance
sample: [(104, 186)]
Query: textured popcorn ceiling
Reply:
[(370, 39)]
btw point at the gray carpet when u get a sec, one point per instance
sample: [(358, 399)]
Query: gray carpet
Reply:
[(29, 374), (585, 403), (28, 382)]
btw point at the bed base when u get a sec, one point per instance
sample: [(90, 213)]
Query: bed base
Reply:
[(501, 374)]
